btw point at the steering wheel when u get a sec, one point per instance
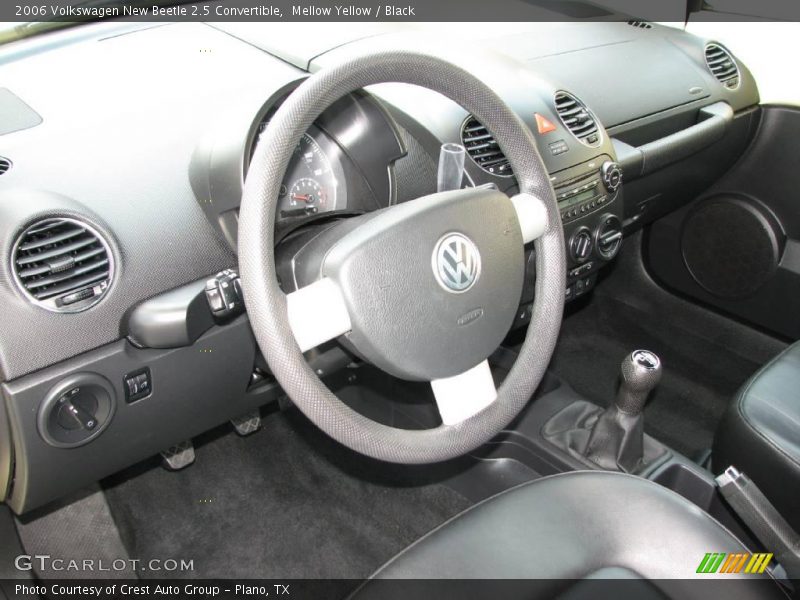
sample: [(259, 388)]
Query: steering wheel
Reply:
[(426, 290)]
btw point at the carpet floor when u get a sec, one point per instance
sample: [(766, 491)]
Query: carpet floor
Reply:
[(286, 502)]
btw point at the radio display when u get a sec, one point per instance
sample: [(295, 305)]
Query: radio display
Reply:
[(581, 197)]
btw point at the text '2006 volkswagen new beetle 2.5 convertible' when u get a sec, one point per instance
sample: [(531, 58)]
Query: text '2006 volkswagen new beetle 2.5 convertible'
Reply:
[(377, 307)]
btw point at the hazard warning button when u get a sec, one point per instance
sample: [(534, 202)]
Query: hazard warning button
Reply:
[(543, 124)]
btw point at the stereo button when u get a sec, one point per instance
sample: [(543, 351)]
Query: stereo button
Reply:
[(612, 175)]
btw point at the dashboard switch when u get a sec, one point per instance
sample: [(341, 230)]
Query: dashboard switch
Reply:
[(137, 385), (224, 294), (215, 301), (81, 416), (543, 124), (558, 147)]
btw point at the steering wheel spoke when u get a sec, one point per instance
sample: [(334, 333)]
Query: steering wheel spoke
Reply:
[(532, 216), (317, 313), (463, 395)]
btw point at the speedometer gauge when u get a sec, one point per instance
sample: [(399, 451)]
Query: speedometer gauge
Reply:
[(309, 186)]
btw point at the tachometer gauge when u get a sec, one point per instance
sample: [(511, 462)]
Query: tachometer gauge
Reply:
[(307, 193), (309, 186)]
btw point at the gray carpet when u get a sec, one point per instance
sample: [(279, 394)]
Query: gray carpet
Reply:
[(706, 357), (697, 383), (285, 502), (77, 527)]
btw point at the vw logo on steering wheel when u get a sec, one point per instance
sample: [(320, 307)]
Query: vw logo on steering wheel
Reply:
[(456, 263)]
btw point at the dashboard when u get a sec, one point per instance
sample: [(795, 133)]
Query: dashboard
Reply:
[(145, 169)]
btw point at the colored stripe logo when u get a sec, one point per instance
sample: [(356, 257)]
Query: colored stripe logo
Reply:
[(742, 562)]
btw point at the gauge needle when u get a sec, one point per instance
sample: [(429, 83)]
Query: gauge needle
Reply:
[(304, 198)]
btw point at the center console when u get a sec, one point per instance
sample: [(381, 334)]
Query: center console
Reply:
[(590, 203), (589, 200)]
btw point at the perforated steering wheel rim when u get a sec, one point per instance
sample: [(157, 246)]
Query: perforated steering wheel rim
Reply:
[(267, 303)]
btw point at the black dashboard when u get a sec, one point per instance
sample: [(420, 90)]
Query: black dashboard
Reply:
[(145, 167)]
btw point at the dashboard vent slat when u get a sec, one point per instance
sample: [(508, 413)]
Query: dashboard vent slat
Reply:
[(5, 165), (483, 149), (65, 235), (576, 117), (64, 276), (722, 65), (69, 286), (62, 264), (640, 24), (26, 259)]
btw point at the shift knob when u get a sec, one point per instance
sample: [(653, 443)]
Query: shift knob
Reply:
[(641, 372)]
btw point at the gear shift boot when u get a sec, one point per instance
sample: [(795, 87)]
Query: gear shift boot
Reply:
[(571, 429), (617, 439), (613, 439), (616, 442)]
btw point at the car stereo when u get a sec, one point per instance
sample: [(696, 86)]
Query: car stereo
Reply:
[(584, 195)]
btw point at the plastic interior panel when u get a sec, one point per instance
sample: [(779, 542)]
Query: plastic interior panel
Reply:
[(194, 389), (131, 174), (767, 175), (6, 457)]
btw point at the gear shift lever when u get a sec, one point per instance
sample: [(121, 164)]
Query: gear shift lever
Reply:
[(641, 372), (617, 438)]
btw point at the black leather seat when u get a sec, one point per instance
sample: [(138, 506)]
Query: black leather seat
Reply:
[(760, 433), (564, 529)]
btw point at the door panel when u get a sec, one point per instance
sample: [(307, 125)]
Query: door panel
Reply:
[(737, 247)]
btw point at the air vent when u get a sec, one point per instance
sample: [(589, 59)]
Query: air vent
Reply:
[(577, 118), (5, 165), (62, 264), (722, 66), (640, 24), (483, 148)]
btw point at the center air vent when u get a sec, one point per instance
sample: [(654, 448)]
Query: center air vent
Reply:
[(722, 66), (640, 24), (577, 118), (483, 148), (62, 264)]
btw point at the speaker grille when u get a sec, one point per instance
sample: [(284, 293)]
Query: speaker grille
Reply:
[(730, 247)]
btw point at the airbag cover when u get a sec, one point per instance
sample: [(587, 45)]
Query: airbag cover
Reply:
[(416, 312)]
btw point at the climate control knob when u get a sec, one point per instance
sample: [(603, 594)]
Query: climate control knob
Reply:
[(580, 246), (608, 237), (611, 173)]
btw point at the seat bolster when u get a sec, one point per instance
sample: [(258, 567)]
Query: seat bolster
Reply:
[(569, 527), (760, 433)]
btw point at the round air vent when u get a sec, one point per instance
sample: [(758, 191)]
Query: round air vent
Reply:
[(62, 264), (722, 66), (577, 118), (484, 149), (5, 165)]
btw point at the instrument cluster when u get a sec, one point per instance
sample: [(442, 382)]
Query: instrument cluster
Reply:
[(314, 182)]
